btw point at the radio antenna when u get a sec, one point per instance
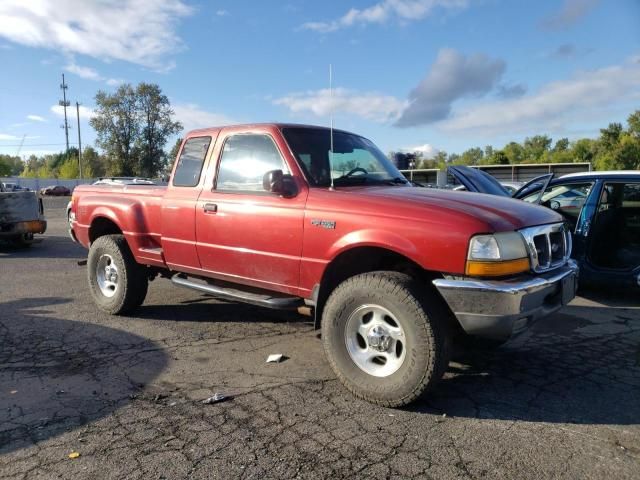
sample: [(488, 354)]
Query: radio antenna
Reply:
[(331, 126)]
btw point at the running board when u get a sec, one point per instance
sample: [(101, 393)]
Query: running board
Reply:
[(262, 300)]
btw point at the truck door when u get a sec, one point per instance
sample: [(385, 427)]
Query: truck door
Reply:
[(246, 234), (179, 204)]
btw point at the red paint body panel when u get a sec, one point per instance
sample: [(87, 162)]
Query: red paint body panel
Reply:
[(267, 241)]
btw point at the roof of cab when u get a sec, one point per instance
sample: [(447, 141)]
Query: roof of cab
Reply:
[(248, 126)]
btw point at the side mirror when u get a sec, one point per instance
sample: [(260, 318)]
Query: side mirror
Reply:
[(275, 181)]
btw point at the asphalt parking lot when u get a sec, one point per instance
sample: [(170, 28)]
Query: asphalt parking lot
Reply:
[(125, 393)]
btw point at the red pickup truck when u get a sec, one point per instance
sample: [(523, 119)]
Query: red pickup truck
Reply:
[(299, 217)]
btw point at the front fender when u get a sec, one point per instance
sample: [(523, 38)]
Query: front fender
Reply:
[(377, 238)]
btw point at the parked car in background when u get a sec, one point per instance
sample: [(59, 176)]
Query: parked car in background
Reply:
[(12, 187), (512, 187), (55, 191), (602, 210)]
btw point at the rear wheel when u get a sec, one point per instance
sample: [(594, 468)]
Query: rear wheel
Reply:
[(117, 282), (385, 337), (23, 240)]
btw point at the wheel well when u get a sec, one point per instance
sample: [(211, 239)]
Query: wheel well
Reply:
[(102, 226), (362, 260)]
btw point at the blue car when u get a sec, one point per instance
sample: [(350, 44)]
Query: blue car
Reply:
[(602, 210)]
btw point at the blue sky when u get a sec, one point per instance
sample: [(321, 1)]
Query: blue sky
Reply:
[(408, 74)]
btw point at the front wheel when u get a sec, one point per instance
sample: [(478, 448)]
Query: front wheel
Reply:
[(117, 282), (385, 337)]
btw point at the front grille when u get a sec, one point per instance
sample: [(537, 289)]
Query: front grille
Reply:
[(549, 246)]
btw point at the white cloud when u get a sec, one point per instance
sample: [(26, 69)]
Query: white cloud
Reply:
[(222, 13), (136, 31), (36, 118), (192, 116), (369, 105), (427, 150), (83, 72), (6, 136), (384, 11), (555, 105), (85, 113), (89, 73)]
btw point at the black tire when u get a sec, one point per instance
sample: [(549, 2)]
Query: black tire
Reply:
[(421, 316), (23, 240), (132, 280)]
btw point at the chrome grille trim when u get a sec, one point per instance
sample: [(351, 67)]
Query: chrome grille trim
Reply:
[(542, 256)]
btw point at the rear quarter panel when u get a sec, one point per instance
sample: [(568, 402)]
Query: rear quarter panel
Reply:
[(134, 209)]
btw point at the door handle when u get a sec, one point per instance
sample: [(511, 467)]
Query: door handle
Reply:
[(210, 208)]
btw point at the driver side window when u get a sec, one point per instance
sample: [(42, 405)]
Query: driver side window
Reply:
[(244, 161)]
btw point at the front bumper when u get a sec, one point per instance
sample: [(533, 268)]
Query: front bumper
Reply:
[(500, 308), (20, 228)]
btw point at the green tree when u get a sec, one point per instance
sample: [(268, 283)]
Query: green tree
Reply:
[(472, 156), (132, 127), (93, 164), (584, 150), (498, 158), (633, 121), (11, 165), (157, 126), (562, 145), (610, 136), (514, 152), (535, 147), (440, 159), (69, 168), (5, 167), (173, 153), (117, 127)]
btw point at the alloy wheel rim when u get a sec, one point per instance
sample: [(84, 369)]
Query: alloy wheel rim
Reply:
[(107, 275), (375, 340)]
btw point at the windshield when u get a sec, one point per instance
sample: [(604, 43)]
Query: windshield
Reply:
[(355, 160)]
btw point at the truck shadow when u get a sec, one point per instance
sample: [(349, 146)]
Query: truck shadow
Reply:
[(579, 366), (57, 375), (45, 246)]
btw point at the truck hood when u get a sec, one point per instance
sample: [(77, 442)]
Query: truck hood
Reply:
[(499, 213)]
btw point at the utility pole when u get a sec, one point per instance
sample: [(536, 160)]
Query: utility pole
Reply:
[(65, 103), (79, 141)]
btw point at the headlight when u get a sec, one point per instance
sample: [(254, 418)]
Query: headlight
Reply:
[(497, 255)]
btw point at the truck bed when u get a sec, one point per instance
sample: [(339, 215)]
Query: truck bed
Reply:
[(141, 205)]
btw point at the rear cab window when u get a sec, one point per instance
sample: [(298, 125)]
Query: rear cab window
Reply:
[(190, 161)]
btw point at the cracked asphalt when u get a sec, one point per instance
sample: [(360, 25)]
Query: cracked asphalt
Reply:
[(560, 401)]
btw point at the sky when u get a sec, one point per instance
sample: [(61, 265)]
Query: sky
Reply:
[(410, 75)]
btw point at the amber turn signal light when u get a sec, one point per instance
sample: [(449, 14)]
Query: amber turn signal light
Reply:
[(497, 268)]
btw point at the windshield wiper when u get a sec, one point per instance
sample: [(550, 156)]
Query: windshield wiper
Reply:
[(359, 180), (396, 181)]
